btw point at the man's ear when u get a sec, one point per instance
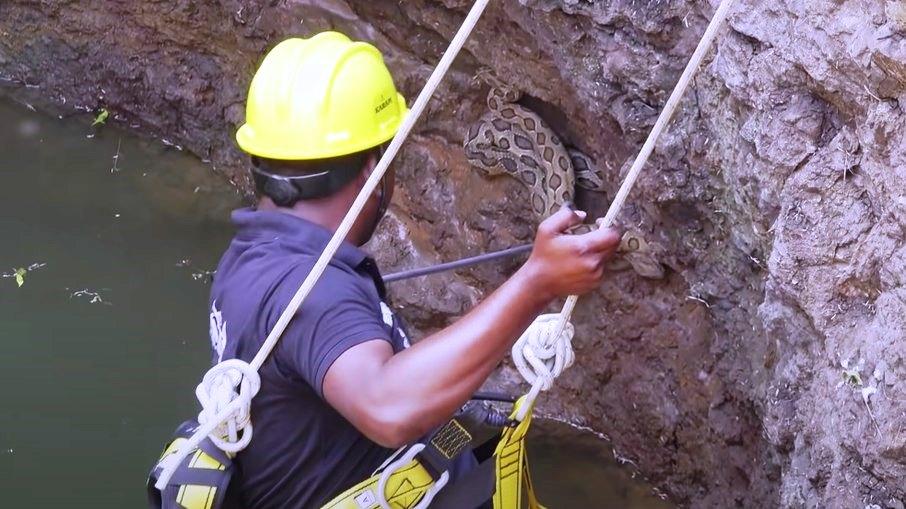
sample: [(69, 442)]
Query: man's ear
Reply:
[(370, 164)]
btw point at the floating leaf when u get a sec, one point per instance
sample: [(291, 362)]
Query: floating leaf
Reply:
[(101, 119), (20, 276)]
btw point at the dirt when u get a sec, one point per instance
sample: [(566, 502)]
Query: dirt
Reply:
[(767, 369)]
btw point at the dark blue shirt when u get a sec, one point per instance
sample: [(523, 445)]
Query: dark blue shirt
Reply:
[(303, 452)]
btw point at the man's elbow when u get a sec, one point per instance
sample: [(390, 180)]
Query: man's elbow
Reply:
[(392, 428)]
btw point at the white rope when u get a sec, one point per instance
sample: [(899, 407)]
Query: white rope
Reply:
[(540, 356), (404, 462), (233, 415), (535, 340), (217, 391)]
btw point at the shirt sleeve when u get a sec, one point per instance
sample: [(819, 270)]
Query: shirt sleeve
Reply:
[(339, 314)]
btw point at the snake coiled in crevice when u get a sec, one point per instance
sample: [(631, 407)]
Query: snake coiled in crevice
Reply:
[(510, 139)]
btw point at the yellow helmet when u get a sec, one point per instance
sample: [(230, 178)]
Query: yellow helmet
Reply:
[(319, 98)]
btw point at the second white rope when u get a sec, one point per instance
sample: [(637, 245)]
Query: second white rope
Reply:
[(532, 336)]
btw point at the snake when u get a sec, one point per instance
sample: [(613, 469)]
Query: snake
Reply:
[(512, 140)]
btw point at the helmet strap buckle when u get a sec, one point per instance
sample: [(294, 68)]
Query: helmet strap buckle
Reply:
[(286, 190)]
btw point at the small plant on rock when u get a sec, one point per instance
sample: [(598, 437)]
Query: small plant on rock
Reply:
[(101, 118)]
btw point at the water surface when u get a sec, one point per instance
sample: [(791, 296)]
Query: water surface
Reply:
[(102, 345)]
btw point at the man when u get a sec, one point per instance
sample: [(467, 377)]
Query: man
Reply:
[(344, 387)]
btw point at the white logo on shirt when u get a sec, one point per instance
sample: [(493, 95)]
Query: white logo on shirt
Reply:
[(218, 331), (388, 316)]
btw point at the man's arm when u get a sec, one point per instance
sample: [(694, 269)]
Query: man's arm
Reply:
[(395, 399)]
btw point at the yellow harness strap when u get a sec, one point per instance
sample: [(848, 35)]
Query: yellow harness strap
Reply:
[(512, 472), (405, 489)]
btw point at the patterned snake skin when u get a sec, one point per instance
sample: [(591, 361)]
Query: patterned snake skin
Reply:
[(513, 140)]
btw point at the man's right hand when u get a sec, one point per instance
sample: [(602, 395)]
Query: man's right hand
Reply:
[(394, 399), (563, 264)]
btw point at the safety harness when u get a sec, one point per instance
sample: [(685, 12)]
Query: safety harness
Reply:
[(195, 468), (199, 482), (420, 477), (415, 477)]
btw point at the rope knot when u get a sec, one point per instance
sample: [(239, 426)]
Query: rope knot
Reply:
[(541, 357), (225, 395)]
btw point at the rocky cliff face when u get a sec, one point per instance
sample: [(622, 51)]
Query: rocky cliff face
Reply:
[(768, 368)]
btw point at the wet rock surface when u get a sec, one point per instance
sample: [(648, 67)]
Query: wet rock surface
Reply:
[(767, 369)]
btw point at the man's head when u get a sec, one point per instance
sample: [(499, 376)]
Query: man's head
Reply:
[(322, 190), (318, 115)]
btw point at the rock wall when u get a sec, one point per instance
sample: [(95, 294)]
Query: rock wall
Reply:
[(767, 369)]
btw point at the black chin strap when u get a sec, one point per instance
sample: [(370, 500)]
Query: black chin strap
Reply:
[(319, 179), (383, 201), (285, 191), (383, 205)]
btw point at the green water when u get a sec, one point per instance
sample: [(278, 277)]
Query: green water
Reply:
[(101, 347)]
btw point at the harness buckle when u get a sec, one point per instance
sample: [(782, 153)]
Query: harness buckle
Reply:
[(392, 468)]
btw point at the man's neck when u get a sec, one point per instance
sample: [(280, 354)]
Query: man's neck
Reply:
[(326, 213)]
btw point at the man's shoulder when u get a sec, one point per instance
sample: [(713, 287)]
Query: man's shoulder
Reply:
[(269, 278), (337, 283)]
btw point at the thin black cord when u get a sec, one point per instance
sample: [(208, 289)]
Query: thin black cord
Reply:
[(465, 262), (494, 396)]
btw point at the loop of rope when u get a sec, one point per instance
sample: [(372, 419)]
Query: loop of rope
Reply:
[(233, 417), (225, 415), (540, 356), (399, 464), (228, 388)]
